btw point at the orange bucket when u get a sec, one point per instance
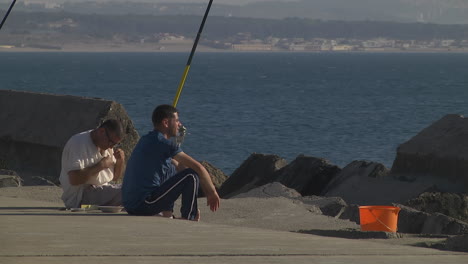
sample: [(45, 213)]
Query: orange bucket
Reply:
[(379, 218)]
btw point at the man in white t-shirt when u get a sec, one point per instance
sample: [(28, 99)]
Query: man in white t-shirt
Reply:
[(89, 163)]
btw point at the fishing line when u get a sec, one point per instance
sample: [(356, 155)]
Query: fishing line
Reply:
[(7, 13), (194, 47)]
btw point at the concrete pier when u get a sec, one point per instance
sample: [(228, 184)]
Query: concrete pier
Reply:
[(37, 231)]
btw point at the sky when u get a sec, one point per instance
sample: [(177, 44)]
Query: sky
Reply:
[(232, 2), (427, 11)]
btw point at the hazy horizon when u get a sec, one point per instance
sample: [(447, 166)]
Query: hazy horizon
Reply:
[(426, 11), (230, 2)]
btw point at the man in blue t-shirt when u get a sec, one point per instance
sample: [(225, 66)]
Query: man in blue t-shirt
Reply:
[(158, 172)]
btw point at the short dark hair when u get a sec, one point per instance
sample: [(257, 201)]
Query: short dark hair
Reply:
[(113, 125), (163, 111)]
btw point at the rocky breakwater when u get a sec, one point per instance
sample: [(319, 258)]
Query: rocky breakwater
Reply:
[(329, 190), (439, 154), (35, 127), (428, 181)]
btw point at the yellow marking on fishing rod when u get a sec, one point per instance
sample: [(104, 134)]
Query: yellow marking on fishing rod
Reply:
[(181, 86), (194, 47)]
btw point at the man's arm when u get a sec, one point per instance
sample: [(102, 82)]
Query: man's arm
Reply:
[(207, 185), (78, 177), (119, 167), (179, 167)]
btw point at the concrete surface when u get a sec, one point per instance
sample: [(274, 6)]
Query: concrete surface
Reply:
[(36, 231)]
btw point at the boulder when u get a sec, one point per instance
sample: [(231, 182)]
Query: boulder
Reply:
[(307, 175), (8, 172), (410, 220), (256, 171), (413, 221), (217, 176), (10, 181), (450, 204), (274, 189), (358, 168), (38, 181), (367, 183), (351, 213), (457, 243), (440, 150), (9, 178), (442, 224), (330, 206), (36, 126)]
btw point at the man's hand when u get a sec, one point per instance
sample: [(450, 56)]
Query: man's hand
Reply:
[(213, 201), (119, 168), (77, 177), (212, 197), (119, 154), (106, 162)]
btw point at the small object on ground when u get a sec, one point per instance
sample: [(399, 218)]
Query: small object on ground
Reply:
[(110, 209), (89, 207)]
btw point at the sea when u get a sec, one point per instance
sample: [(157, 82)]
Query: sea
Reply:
[(337, 106)]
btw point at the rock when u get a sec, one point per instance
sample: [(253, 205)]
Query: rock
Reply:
[(8, 172), (256, 171), (331, 206), (217, 176), (307, 175), (367, 183), (414, 221), (274, 189), (440, 150), (442, 224), (457, 243), (351, 212), (9, 178), (410, 220), (10, 181), (450, 204), (38, 181), (32, 136), (359, 169)]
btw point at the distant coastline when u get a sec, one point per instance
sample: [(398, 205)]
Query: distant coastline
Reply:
[(100, 47)]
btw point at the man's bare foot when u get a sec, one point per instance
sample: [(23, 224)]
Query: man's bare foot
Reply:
[(197, 217), (167, 214)]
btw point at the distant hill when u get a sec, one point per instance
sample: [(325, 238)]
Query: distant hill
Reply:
[(427, 11), (222, 28), (432, 11)]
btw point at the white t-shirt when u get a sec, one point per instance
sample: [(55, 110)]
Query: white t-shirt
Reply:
[(79, 153)]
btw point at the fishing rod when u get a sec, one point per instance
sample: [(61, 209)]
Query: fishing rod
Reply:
[(7, 13), (183, 130), (194, 47)]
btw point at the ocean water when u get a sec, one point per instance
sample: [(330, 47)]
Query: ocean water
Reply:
[(337, 106)]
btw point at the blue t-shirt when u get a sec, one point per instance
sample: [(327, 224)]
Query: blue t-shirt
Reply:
[(148, 167)]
